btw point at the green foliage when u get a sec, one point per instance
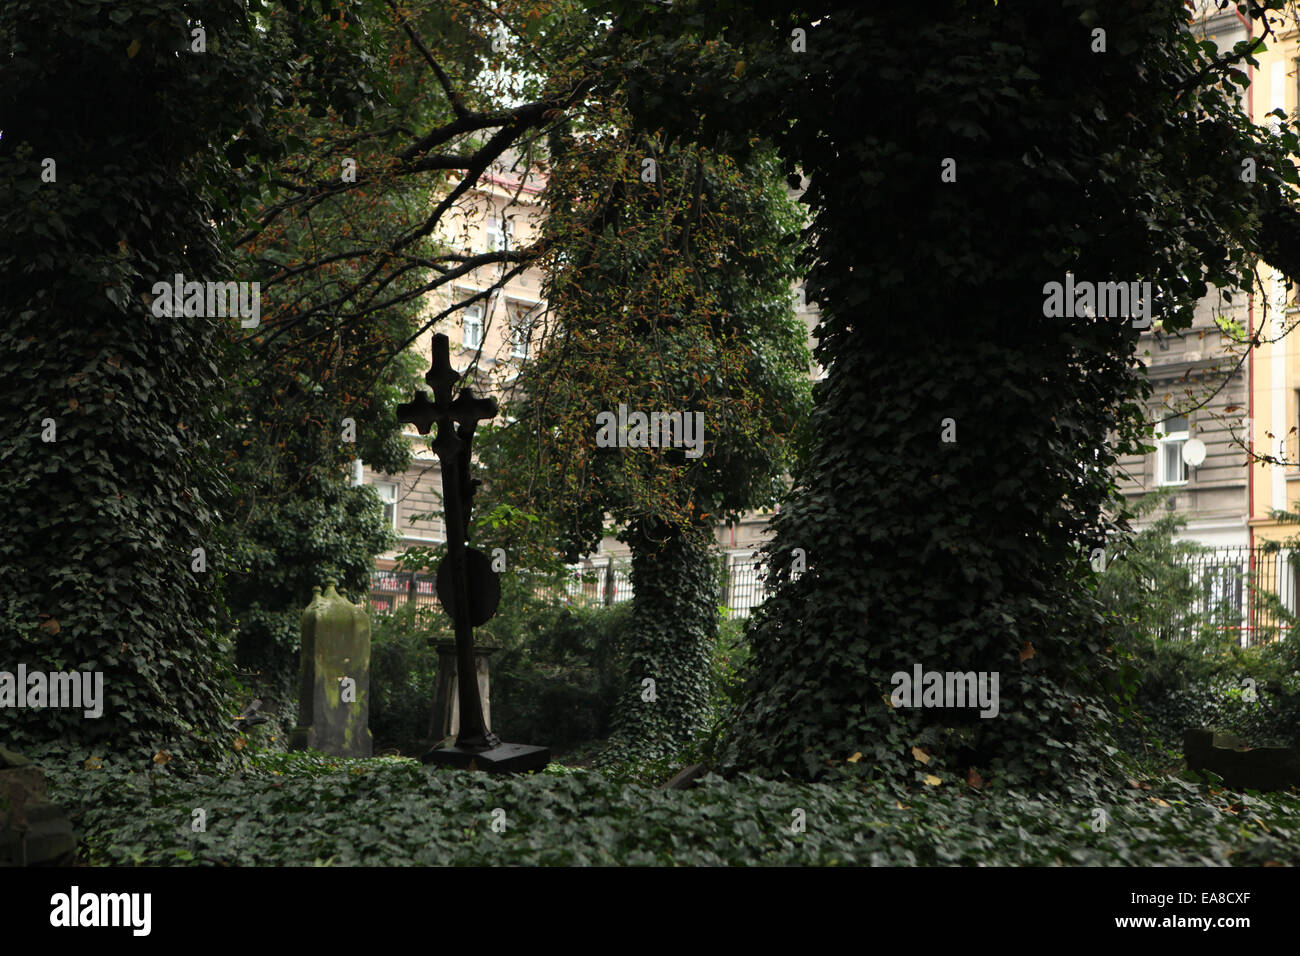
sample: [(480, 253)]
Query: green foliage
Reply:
[(331, 529), (1148, 590), (560, 672), (730, 654), (1180, 664), (403, 676), (672, 295), (965, 555), (306, 374), (555, 674), (1203, 684), (100, 524), (307, 809)]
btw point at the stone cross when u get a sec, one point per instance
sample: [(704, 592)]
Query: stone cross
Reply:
[(466, 587)]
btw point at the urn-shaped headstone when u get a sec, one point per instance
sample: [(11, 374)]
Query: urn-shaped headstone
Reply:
[(334, 679)]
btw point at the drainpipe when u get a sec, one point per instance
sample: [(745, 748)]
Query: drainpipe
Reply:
[(1250, 363)]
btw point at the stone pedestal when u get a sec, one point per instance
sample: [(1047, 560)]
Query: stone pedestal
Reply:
[(445, 719), (1242, 767), (334, 678)]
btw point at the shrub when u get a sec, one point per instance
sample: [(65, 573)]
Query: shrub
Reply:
[(557, 680), (1164, 686), (403, 675)]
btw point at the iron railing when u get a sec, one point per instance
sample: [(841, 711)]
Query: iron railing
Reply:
[(605, 581), (1250, 594), (1246, 593)]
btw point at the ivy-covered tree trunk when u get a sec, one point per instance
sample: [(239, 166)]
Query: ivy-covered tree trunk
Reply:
[(674, 628), (965, 432), (108, 564)]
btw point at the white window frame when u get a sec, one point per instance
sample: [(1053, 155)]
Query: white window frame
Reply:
[(501, 233), (387, 491), (472, 318), (1165, 438), (522, 318), (439, 532)]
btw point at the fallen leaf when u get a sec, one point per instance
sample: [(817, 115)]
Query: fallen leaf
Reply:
[(133, 49), (857, 755), (94, 763), (974, 779), (931, 780), (1158, 802), (920, 755), (73, 404), (115, 361), (161, 757), (887, 699), (240, 743), (900, 806), (1027, 651), (51, 626)]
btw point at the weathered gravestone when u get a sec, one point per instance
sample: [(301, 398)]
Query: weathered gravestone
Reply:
[(334, 677), (467, 587), (32, 829)]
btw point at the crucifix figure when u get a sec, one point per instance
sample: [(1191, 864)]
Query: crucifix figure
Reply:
[(467, 587)]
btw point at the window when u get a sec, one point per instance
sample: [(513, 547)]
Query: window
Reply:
[(1171, 436), (1294, 431), (472, 324), (521, 328), (501, 233), (388, 495)]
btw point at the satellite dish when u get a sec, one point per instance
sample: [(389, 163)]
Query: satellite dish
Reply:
[(1193, 451)]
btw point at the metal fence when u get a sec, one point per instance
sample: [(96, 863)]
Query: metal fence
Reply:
[(1250, 594), (604, 581), (1247, 593), (389, 590), (743, 587)]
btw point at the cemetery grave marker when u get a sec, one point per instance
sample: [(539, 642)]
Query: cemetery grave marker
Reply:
[(467, 586)]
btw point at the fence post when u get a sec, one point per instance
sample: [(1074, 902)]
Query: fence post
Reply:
[(609, 582)]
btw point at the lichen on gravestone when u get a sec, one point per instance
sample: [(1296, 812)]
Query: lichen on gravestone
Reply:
[(334, 677)]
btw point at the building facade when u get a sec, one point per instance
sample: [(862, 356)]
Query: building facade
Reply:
[(1225, 416)]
